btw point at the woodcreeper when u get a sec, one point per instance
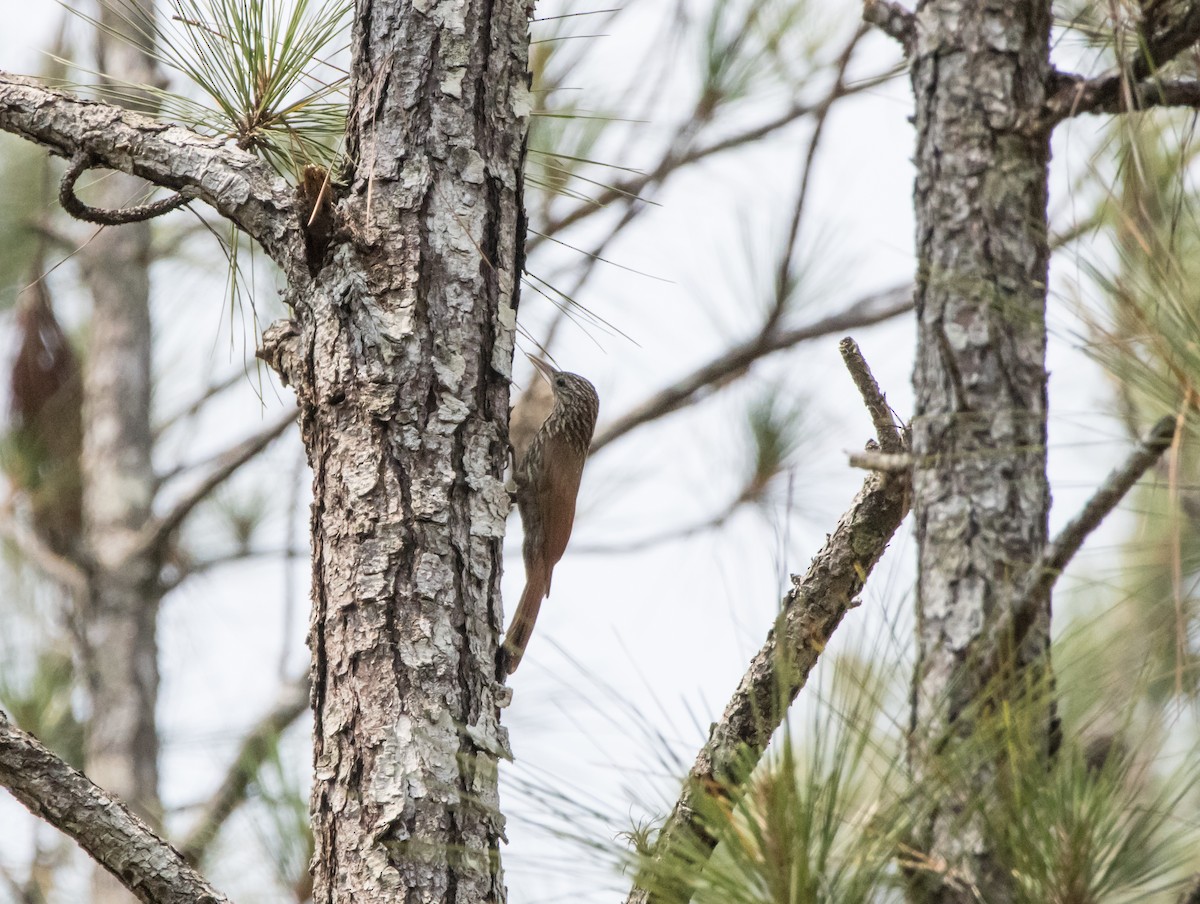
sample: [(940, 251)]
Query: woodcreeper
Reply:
[(547, 479)]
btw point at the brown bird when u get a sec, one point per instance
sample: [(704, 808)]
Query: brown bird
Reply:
[(547, 483)]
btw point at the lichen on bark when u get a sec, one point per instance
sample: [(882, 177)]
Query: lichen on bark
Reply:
[(981, 496), (400, 355)]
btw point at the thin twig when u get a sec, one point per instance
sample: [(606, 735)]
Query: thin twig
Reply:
[(884, 462), (208, 393), (1015, 624), (102, 825), (104, 216), (160, 529), (718, 372), (254, 749), (810, 613), (191, 569), (783, 272), (32, 548), (675, 159)]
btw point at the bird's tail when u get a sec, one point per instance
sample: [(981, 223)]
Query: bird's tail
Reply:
[(521, 628)]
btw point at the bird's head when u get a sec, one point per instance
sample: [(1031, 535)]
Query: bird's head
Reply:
[(576, 404)]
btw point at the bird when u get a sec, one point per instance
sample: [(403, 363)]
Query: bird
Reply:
[(547, 478)]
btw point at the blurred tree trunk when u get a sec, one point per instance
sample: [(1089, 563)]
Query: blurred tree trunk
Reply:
[(119, 616), (981, 495), (400, 355)]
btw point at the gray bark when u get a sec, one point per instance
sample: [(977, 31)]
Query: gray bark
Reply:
[(103, 825), (119, 615), (400, 355), (233, 181), (981, 497)]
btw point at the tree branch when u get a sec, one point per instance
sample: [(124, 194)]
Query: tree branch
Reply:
[(105, 216), (890, 440), (234, 788), (810, 613), (1076, 95), (1133, 88), (30, 546), (104, 827), (193, 407), (1014, 625), (160, 529), (633, 188), (233, 181), (892, 19), (731, 364)]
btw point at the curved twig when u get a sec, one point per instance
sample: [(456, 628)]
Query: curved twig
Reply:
[(107, 216), (235, 182)]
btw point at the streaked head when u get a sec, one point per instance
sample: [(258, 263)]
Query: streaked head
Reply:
[(576, 404)]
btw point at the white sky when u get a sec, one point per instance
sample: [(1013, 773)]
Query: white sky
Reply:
[(667, 632)]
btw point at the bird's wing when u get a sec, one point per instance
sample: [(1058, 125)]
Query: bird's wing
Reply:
[(558, 490)]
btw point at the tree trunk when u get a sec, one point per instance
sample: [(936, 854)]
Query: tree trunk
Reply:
[(980, 492), (119, 616), (401, 356)]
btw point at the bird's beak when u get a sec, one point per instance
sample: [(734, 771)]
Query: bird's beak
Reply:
[(546, 370)]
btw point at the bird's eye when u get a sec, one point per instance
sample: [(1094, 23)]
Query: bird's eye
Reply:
[(560, 382)]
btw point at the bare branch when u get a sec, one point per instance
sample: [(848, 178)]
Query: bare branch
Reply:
[(810, 613), (1177, 28), (633, 188), (892, 19), (70, 202), (233, 181), (723, 369), (1015, 624), (103, 826), (884, 462), (32, 548), (253, 751), (890, 440), (160, 529), (193, 407), (1108, 95)]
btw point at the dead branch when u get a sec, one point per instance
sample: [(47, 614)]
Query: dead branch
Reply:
[(234, 788), (1015, 624), (731, 364), (227, 463), (811, 612), (102, 825)]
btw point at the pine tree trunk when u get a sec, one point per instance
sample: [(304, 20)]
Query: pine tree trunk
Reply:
[(981, 495), (120, 615), (401, 360)]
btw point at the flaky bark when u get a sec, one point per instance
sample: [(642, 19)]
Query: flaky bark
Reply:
[(102, 825), (400, 355), (981, 497), (233, 181)]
